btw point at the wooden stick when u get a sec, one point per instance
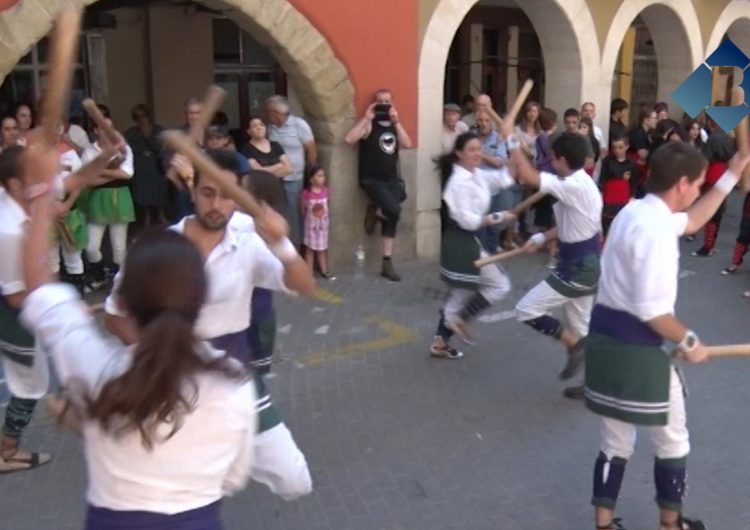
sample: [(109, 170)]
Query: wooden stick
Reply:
[(102, 123), (211, 104), (518, 103), (742, 137), (729, 350), (481, 262), (63, 49), (528, 202), (181, 143)]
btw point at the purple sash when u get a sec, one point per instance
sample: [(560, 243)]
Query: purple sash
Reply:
[(622, 326), (205, 518), (235, 345)]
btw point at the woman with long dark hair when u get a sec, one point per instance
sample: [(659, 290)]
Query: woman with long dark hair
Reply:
[(466, 196), (168, 424)]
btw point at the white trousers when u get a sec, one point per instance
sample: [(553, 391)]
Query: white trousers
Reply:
[(543, 299), (118, 238), (670, 440), (280, 465), (72, 259), (494, 285)]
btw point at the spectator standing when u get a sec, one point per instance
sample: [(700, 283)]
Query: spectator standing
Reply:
[(494, 153), (217, 137), (528, 128), (452, 126), (314, 210), (618, 180), (149, 185), (262, 153), (380, 136), (641, 143), (8, 132), (295, 136), (618, 110), (25, 118)]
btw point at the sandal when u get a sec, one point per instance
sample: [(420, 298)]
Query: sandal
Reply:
[(10, 463)]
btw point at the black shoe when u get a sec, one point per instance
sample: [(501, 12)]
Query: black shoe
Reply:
[(575, 361), (728, 271), (574, 392), (371, 219), (616, 524), (387, 271), (443, 350), (686, 524), (703, 252)]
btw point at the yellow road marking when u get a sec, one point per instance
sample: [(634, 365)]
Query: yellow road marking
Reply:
[(324, 295), (396, 335)]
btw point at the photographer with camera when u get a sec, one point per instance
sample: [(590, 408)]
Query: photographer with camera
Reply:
[(380, 136)]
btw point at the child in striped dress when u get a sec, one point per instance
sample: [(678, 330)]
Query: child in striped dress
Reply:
[(314, 205)]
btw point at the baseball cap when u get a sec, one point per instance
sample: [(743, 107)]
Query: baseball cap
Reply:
[(218, 131), (452, 106)]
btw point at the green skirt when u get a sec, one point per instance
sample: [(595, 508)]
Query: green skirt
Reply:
[(627, 382), (458, 252), (76, 234), (105, 206)]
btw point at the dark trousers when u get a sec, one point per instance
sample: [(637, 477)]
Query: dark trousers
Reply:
[(387, 197)]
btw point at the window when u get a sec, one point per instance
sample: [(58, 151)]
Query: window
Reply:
[(247, 70), (26, 82)]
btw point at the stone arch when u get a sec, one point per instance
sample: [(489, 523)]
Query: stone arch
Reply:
[(734, 20), (567, 37), (674, 28), (322, 81)]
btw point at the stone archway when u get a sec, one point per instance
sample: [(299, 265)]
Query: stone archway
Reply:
[(733, 21), (570, 70), (674, 28), (322, 82)]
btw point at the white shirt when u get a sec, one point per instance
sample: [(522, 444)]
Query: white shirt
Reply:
[(468, 194), (449, 137), (237, 265), (12, 219), (640, 263), (208, 457), (93, 151), (28, 382), (78, 136), (599, 135), (578, 210), (70, 161)]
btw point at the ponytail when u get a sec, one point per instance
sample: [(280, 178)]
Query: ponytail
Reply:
[(444, 165)]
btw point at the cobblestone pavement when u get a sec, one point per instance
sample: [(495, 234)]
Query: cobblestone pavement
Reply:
[(399, 441)]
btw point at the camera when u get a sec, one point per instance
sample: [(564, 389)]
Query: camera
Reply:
[(382, 112)]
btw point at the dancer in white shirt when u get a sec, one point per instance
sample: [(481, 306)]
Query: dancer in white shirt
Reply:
[(237, 260), (167, 428), (467, 195)]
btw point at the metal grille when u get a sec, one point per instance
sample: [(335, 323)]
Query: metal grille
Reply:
[(645, 72)]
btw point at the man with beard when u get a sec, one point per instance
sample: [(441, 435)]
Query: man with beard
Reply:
[(239, 258)]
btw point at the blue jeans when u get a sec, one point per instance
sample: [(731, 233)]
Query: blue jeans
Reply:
[(292, 193)]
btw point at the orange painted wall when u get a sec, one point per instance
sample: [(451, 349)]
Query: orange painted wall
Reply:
[(378, 44)]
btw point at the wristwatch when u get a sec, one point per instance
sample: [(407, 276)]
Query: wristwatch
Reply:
[(688, 342)]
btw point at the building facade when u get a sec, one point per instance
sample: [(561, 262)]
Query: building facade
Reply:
[(330, 56)]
